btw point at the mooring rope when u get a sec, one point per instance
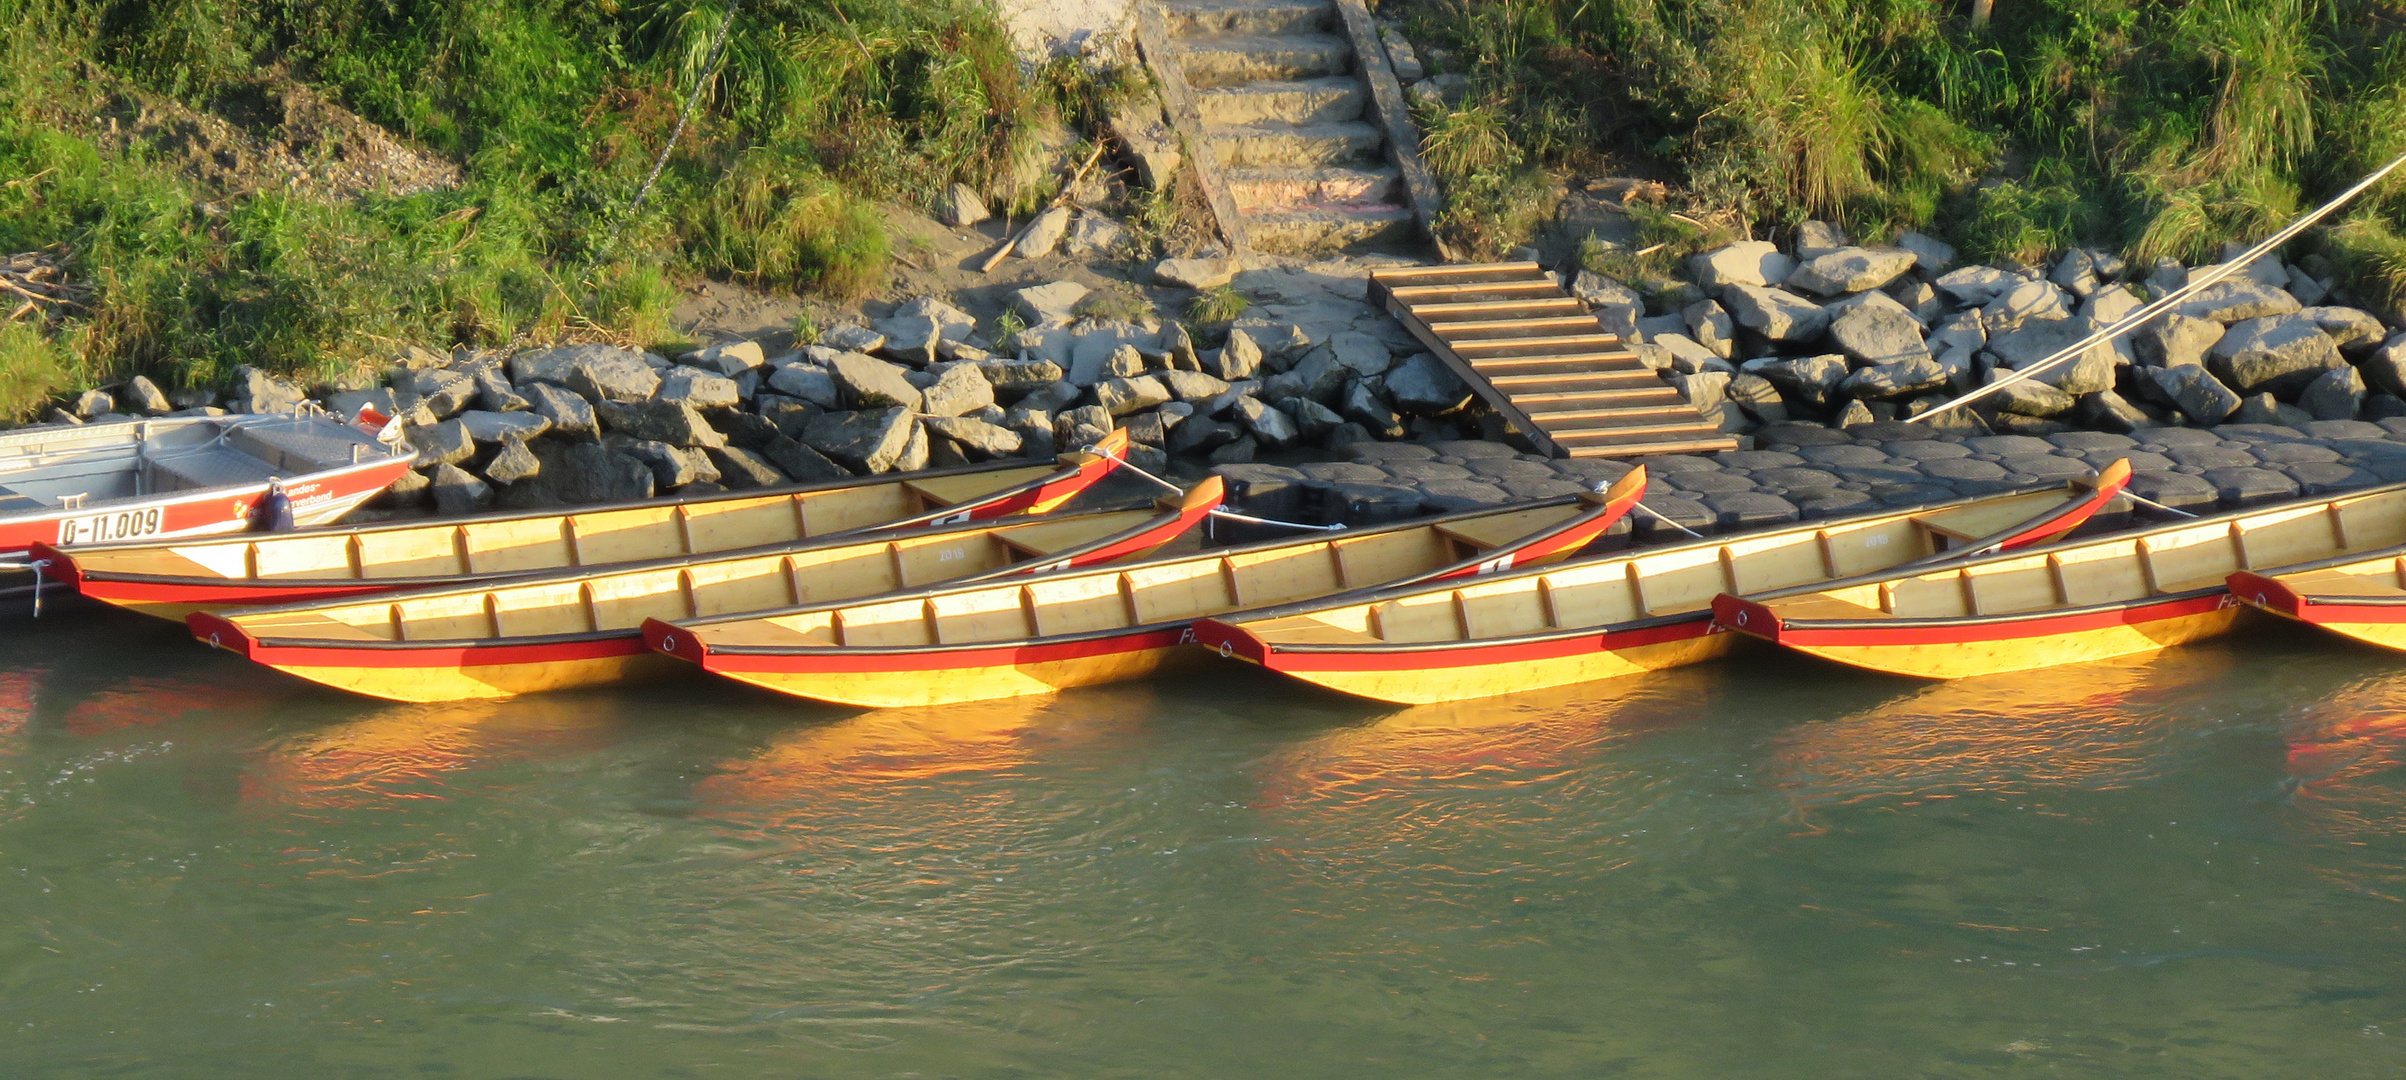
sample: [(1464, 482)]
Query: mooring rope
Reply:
[(2149, 312), (37, 566)]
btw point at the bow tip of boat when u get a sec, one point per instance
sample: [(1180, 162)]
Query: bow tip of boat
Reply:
[(1230, 641), (669, 639), (2267, 593), (1746, 616), (210, 628)]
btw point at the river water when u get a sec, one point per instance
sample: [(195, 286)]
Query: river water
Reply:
[(2190, 867)]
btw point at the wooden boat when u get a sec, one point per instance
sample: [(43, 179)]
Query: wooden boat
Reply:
[(1619, 614), (187, 476), (174, 580), (1011, 639), (2122, 595), (2361, 596), (582, 627)]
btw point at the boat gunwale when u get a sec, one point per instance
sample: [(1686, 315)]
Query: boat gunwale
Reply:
[(1917, 569), (931, 592), (1395, 591), (1155, 521), (623, 504), (1381, 648)]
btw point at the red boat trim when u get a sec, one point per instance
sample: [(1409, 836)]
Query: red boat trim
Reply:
[(2267, 591), (1564, 539), (219, 631), (2049, 525), (673, 640), (1235, 642), (1748, 617)]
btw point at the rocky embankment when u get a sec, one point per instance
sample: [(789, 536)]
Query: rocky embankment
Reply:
[(1834, 333)]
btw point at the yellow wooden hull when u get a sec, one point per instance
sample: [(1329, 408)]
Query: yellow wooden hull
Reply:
[(1426, 678), (2051, 642), (485, 681), (958, 685)]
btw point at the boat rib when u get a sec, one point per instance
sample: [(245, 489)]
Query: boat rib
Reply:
[(580, 628), (2121, 595), (1619, 614), (173, 580), (988, 641)]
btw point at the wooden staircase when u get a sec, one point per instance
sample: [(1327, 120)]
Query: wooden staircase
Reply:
[(1539, 358)]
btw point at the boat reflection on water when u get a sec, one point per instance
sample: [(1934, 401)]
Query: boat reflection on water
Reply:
[(2090, 726), (410, 752), (2344, 758)]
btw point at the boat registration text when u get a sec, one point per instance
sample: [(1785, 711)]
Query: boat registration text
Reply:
[(104, 527)]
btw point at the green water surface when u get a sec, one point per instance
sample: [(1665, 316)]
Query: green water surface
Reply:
[(1768, 867)]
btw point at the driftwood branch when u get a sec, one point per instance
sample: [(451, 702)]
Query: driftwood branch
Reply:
[(1066, 191), (40, 279)]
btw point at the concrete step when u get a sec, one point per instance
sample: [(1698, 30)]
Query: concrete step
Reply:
[(1319, 229), (1310, 101), (1212, 63), (1296, 145), (1336, 186), (1248, 18)]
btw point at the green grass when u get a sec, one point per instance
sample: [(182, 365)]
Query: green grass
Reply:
[(554, 111), (2154, 127), (1216, 305)]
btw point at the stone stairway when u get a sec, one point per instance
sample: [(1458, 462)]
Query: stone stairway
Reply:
[(1298, 144)]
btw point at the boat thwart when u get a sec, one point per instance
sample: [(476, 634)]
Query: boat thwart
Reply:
[(998, 640), (1617, 614), (172, 580), (582, 627), (2126, 594)]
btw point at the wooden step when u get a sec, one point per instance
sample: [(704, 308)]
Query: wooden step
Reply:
[(1702, 444), (1605, 433), (1498, 367), (1438, 314), (1492, 329), (1416, 295), (1592, 406), (1536, 346), (1464, 273), (1574, 382), (1676, 410)]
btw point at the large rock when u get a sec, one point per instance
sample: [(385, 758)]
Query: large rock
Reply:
[(2175, 340), (1817, 238), (810, 383), (672, 467), (1363, 406), (800, 462), (1689, 356), (1889, 382), (2028, 397), (1360, 354), (730, 358), (514, 463), (1977, 286), (1961, 330), (1119, 397), (494, 392), (615, 376), (2352, 330), (1051, 304), (1932, 256), (671, 422), (870, 383), (2337, 395), (1757, 397), (143, 396), (1876, 331), (961, 207), (1849, 270), (2235, 298), (2022, 303), (1423, 386), (2274, 354), (2090, 371), (2107, 411), (846, 337), (2385, 369), (1269, 427), (443, 392), (960, 390), (553, 365), (1773, 313), (699, 389), (256, 391), (982, 439), (1076, 429), (1747, 262), (1709, 325), (571, 416), (495, 427), (1239, 359), (740, 469), (1013, 379), (584, 472), (1811, 381), (1190, 385), (1193, 273), (457, 491), (446, 443), (1043, 234), (2195, 392), (867, 441)]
